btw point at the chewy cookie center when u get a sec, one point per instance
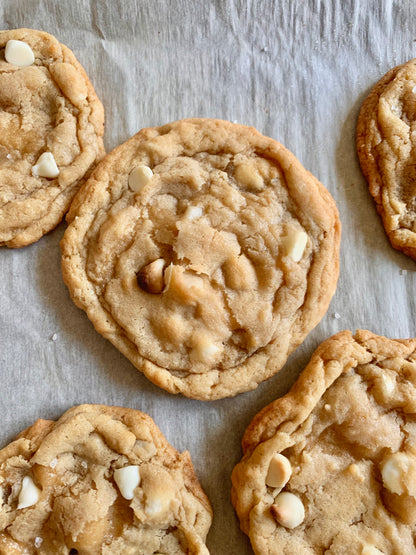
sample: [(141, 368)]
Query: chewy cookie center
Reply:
[(193, 264)]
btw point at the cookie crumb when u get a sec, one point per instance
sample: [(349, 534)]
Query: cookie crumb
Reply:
[(403, 272), (337, 316), (54, 337), (265, 49)]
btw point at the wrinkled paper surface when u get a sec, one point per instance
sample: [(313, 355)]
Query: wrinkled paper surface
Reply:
[(297, 71)]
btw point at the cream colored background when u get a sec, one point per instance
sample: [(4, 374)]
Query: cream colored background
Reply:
[(298, 71)]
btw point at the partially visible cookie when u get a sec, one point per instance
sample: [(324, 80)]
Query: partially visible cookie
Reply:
[(386, 144), (331, 466), (205, 252), (51, 128), (99, 481)]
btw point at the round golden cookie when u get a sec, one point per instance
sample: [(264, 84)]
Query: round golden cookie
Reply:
[(331, 466), (51, 124), (386, 145), (205, 252), (100, 481)]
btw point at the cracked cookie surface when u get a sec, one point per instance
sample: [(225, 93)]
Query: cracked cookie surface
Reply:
[(47, 107), (347, 435), (205, 252), (99, 481), (386, 140)]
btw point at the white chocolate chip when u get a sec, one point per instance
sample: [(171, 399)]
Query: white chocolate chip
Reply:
[(155, 506), (327, 407), (294, 243), (387, 385), (371, 550), (356, 472), (193, 212), (185, 285), (204, 350), (279, 471), (19, 53), (127, 480), (139, 177), (248, 176), (29, 493), (396, 471), (288, 510), (46, 166)]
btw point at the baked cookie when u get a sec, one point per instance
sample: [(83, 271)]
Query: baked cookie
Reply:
[(386, 144), (331, 466), (99, 481), (51, 128), (205, 252)]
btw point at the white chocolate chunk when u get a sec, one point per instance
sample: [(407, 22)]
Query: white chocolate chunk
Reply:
[(46, 166), (29, 493), (288, 510), (387, 385), (139, 177), (295, 243), (19, 53), (127, 480), (396, 471), (189, 283), (356, 472), (155, 506), (279, 471), (204, 350), (193, 212), (371, 550), (248, 176)]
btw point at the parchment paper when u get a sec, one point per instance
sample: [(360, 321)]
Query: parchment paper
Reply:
[(296, 70)]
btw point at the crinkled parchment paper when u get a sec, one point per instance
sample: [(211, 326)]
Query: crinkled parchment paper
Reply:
[(297, 71)]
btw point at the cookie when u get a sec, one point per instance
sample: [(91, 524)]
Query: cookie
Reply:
[(100, 480), (205, 252), (331, 466), (386, 140), (51, 125)]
